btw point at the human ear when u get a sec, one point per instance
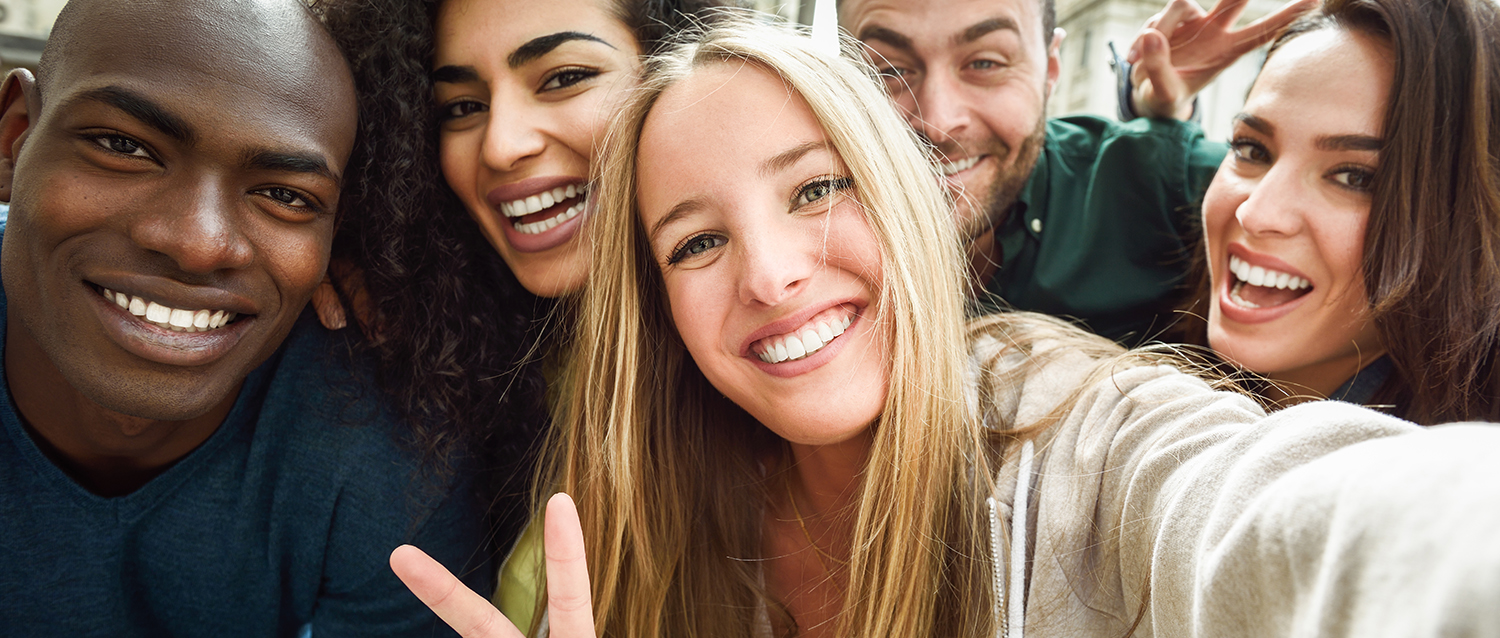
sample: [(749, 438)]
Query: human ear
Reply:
[(1054, 59), (18, 100)]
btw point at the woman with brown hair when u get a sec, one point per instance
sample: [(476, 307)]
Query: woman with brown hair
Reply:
[(1352, 235), (780, 425)]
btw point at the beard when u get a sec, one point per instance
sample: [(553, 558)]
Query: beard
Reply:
[(992, 208)]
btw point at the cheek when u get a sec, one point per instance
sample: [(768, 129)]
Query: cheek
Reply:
[(299, 256), (458, 156), (1219, 205)]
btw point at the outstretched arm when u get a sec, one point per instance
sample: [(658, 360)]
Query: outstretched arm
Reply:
[(1182, 49), (570, 609)]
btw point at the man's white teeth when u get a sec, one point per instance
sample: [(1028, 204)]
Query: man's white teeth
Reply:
[(541, 202), (170, 318), (551, 222), (811, 339), (1265, 277), (950, 168)]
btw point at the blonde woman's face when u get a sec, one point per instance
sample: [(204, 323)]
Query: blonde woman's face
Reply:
[(771, 270), (1285, 216), (525, 91)]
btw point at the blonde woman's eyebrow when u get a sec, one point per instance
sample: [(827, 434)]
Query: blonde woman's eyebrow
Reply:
[(682, 209), (785, 159)]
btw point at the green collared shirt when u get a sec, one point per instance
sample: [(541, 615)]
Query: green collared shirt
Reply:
[(1100, 233)]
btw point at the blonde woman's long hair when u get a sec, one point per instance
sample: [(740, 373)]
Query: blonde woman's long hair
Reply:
[(671, 478)]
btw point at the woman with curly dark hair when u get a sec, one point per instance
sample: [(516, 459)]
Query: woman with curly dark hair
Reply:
[(473, 113)]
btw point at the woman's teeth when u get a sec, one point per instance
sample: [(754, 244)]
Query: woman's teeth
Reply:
[(800, 345), (170, 318), (551, 222), (1258, 276), (950, 168), (541, 202)]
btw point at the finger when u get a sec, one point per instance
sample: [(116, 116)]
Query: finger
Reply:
[(1263, 30), (325, 302), (1163, 87), (1227, 11), (1177, 12), (1133, 55), (466, 612), (570, 607)]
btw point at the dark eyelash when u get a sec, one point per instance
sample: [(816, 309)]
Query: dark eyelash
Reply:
[(834, 185), (581, 74), (680, 252)]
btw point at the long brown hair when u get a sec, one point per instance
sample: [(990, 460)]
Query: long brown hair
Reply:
[(1432, 247)]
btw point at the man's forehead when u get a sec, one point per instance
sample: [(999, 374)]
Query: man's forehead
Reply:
[(950, 20)]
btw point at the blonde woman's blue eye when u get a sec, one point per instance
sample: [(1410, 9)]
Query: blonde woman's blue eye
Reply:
[(695, 246), (820, 189)]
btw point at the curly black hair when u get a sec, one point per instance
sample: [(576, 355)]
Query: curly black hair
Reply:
[(461, 345)]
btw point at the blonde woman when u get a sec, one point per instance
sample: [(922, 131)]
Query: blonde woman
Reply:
[(780, 425)]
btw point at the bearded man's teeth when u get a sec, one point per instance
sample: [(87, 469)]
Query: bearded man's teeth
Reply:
[(950, 168), (174, 319), (804, 343)]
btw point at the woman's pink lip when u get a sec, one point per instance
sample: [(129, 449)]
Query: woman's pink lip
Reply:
[(793, 321), (1240, 314), (527, 187), (153, 343), (812, 362)]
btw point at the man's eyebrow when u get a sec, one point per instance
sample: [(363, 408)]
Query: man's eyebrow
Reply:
[(455, 74), (1260, 125), (780, 161), (882, 34), (1349, 143), (141, 108), (985, 28), (291, 162), (543, 45)]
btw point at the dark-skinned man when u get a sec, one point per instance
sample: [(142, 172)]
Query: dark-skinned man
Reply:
[(183, 454), (1080, 217)]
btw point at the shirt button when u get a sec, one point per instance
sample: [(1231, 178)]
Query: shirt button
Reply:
[(1036, 225)]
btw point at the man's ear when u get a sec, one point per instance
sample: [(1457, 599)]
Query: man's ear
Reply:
[(18, 101), (1054, 59)]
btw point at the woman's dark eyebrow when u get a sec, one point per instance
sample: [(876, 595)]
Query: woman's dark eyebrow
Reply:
[(541, 46), (455, 74), (1260, 125)]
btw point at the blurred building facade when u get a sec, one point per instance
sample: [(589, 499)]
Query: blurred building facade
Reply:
[(24, 25)]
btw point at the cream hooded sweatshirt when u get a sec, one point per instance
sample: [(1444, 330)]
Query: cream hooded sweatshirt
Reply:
[(1157, 498)]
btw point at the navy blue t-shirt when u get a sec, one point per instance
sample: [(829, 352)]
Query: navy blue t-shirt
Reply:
[(284, 517)]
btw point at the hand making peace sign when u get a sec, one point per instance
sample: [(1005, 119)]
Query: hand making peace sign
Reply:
[(570, 609)]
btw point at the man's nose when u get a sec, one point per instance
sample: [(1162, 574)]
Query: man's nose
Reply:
[(941, 114), (199, 228)]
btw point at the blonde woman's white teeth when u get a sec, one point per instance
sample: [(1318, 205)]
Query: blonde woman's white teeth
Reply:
[(824, 332), (811, 342), (781, 352), (572, 191), (794, 349), (547, 200), (847, 321)]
